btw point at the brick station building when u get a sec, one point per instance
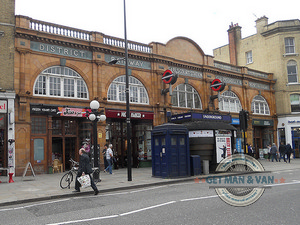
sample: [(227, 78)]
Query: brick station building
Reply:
[(59, 70)]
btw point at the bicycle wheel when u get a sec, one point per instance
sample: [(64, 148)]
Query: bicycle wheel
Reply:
[(66, 180)]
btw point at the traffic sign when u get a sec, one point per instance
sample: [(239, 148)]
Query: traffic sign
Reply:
[(217, 85), (168, 77)]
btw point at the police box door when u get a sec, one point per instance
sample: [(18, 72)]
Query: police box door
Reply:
[(159, 161)]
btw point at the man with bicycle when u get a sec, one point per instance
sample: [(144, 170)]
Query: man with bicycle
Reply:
[(86, 168)]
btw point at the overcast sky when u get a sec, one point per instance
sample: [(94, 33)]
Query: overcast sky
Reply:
[(205, 22)]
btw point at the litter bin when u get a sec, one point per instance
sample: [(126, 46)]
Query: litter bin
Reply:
[(195, 165), (205, 167)]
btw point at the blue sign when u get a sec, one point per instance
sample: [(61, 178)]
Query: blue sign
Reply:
[(238, 145), (235, 121)]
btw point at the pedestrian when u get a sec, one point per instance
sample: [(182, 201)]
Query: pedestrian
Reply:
[(269, 152), (84, 168), (289, 151), (104, 155), (282, 150), (109, 158), (274, 151), (250, 150)]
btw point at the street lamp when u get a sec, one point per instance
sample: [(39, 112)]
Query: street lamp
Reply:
[(95, 116), (129, 172)]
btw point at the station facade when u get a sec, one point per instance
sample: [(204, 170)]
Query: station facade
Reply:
[(59, 70)]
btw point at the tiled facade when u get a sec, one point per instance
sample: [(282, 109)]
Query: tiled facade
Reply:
[(41, 45)]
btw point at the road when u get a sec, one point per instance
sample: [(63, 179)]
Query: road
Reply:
[(183, 203)]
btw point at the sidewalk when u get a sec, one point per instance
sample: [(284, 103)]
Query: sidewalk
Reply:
[(46, 186)]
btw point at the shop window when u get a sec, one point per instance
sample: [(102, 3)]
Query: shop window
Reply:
[(184, 95), (38, 125), (59, 81), (292, 71), (137, 91), (229, 102), (295, 102), (259, 105)]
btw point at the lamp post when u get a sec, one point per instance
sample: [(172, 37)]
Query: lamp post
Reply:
[(129, 171), (95, 116)]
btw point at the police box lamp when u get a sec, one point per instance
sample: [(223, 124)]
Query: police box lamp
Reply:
[(168, 78)]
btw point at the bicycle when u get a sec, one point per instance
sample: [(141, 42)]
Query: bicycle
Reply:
[(67, 178)]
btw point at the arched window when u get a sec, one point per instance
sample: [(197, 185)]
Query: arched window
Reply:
[(59, 81), (292, 71), (184, 95), (137, 91), (295, 102), (229, 102), (259, 105)]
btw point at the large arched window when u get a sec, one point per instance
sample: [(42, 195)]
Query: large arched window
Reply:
[(137, 91), (60, 81), (184, 95), (229, 102), (259, 105), (292, 71)]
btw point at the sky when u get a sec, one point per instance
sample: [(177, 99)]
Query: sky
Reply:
[(204, 22)]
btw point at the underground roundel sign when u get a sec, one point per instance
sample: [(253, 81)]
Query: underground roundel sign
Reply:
[(168, 77), (216, 85)]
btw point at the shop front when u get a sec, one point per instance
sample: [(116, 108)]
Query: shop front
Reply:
[(263, 134), (141, 127), (289, 132), (57, 133)]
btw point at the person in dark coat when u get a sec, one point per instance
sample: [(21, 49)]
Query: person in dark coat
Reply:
[(274, 152), (104, 155), (86, 168), (288, 152), (282, 151)]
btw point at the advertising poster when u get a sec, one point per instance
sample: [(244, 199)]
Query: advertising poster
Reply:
[(223, 139)]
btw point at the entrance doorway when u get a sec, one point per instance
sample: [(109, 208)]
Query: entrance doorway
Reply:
[(63, 149)]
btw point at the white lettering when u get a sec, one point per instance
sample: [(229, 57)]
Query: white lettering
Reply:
[(42, 47)]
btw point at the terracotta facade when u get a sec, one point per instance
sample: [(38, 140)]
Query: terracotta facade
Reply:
[(41, 45)]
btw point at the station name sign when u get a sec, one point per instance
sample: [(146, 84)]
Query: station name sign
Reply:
[(202, 116), (61, 50)]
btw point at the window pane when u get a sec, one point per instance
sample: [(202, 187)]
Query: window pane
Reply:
[(81, 89), (186, 96), (289, 45), (54, 86), (40, 86), (38, 125), (38, 149), (69, 87)]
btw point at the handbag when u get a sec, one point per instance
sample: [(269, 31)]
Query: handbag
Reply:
[(84, 180)]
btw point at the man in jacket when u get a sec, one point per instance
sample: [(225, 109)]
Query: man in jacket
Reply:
[(288, 152), (274, 152), (86, 168), (282, 151)]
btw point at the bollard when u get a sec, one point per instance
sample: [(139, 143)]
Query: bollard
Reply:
[(205, 167), (10, 178)]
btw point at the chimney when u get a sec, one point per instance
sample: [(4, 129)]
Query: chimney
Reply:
[(261, 23), (234, 35)]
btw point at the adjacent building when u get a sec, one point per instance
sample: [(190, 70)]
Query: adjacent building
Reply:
[(7, 94), (274, 48)]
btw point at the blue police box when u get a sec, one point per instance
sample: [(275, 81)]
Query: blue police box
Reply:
[(170, 151)]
